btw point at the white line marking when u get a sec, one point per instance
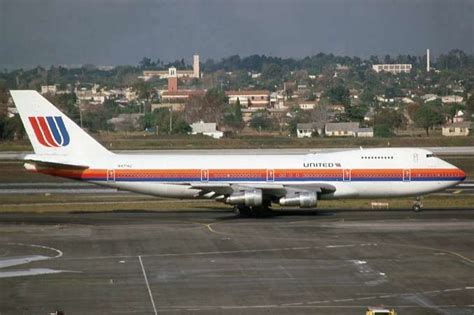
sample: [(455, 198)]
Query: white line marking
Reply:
[(451, 290), (147, 285)]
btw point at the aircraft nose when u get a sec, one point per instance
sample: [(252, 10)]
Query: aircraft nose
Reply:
[(462, 174)]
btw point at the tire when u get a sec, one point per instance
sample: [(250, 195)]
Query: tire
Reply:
[(416, 208), (243, 211)]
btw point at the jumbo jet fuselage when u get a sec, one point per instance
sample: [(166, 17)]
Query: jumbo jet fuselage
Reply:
[(62, 148), (387, 172)]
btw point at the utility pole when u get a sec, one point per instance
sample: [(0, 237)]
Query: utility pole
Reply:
[(171, 119), (80, 116)]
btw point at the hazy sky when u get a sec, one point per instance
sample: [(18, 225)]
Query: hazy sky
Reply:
[(110, 32)]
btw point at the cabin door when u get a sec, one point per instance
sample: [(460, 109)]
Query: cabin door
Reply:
[(204, 176), (346, 175), (270, 175), (111, 175), (406, 175)]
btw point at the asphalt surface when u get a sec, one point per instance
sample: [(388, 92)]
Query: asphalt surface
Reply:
[(211, 262)]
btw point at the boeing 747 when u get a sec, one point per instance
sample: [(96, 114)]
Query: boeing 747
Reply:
[(251, 183)]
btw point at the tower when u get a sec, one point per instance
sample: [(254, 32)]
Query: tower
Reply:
[(172, 80), (196, 72), (428, 60)]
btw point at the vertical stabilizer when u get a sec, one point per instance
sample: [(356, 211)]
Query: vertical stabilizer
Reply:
[(50, 131)]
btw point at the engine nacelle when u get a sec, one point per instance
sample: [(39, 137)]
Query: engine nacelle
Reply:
[(305, 199), (247, 197)]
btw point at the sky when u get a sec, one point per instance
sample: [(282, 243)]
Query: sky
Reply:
[(113, 32)]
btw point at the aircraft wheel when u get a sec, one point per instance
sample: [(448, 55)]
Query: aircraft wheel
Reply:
[(243, 211), (418, 204)]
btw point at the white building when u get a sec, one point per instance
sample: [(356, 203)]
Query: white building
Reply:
[(49, 89), (347, 129), (307, 105), (306, 130), (253, 99), (392, 68), (449, 99), (207, 129), (457, 129)]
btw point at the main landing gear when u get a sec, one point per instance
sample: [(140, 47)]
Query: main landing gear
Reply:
[(255, 211), (418, 204)]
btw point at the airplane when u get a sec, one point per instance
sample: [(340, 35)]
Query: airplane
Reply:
[(250, 183)]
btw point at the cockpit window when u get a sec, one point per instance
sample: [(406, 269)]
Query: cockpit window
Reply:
[(430, 155)]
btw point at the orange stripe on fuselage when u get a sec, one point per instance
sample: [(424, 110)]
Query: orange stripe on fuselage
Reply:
[(258, 174)]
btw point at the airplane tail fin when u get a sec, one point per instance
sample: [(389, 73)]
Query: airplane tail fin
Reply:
[(50, 131)]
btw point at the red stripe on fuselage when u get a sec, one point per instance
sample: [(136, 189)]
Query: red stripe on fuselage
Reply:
[(258, 174)]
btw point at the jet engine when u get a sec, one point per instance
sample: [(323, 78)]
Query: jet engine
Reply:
[(247, 197), (305, 199)]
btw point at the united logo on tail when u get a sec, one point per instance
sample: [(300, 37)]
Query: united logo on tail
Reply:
[(50, 131)]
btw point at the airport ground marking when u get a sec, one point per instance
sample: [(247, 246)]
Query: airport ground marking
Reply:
[(469, 260), (147, 285), (58, 252), (317, 304)]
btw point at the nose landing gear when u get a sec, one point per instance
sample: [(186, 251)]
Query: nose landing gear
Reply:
[(418, 204)]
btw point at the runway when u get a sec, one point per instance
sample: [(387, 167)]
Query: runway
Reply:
[(209, 261)]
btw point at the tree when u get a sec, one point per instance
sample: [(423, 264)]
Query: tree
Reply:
[(428, 116), (338, 94), (356, 113), (146, 63), (261, 120), (180, 126), (233, 116), (208, 108), (298, 116), (470, 106), (144, 89), (11, 128), (388, 118), (383, 130)]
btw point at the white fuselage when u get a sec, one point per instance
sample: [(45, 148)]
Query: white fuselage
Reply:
[(388, 172)]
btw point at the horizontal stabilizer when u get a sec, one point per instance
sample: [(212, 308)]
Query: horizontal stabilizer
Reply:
[(53, 161)]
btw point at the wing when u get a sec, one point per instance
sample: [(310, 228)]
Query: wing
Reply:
[(270, 190)]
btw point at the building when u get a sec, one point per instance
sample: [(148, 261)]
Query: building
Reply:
[(309, 129), (175, 98), (457, 129), (347, 129), (307, 105), (173, 72), (365, 133), (450, 99), (459, 117), (180, 96), (252, 99), (392, 68), (92, 96), (173, 84), (49, 89), (207, 129), (126, 122)]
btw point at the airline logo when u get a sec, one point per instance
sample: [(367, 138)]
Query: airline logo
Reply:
[(50, 130)]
